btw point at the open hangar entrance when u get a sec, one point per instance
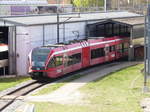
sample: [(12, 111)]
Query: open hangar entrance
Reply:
[(7, 48), (4, 68), (127, 27)]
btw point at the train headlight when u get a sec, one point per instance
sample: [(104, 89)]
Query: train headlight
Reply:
[(38, 68), (33, 63)]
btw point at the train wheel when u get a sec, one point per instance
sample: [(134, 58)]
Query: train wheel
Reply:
[(39, 77)]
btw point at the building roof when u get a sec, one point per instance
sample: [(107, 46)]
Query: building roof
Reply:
[(131, 21), (52, 19)]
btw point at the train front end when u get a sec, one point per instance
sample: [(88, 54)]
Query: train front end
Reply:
[(37, 60)]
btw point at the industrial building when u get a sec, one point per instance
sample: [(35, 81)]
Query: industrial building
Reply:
[(24, 33)]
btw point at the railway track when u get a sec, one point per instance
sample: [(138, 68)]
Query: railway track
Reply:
[(18, 94)]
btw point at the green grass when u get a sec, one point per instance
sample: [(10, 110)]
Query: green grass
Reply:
[(119, 92), (10, 82)]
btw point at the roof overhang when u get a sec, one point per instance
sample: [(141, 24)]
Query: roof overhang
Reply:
[(120, 17), (131, 22)]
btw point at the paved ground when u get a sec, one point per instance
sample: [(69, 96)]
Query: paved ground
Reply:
[(69, 94), (145, 104)]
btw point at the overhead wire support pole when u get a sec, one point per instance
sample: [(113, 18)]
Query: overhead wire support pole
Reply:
[(57, 25), (58, 1), (131, 45), (105, 5), (118, 3), (145, 55), (146, 50)]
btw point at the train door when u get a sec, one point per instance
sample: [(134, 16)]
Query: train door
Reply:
[(68, 63), (77, 63), (55, 66), (106, 49), (119, 50), (112, 54), (86, 57)]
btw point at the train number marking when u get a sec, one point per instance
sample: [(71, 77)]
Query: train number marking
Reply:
[(113, 55), (59, 71)]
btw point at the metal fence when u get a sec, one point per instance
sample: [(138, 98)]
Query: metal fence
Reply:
[(6, 10), (137, 6)]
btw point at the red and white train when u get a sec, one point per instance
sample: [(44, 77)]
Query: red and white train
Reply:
[(56, 60)]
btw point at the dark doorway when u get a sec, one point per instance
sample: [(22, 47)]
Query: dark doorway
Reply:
[(107, 28), (139, 52), (4, 50), (4, 35)]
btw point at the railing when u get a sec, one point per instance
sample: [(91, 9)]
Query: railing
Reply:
[(29, 10), (6, 10)]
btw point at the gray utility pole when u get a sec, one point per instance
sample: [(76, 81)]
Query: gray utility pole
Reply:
[(58, 1), (118, 4), (147, 50), (57, 25), (105, 5)]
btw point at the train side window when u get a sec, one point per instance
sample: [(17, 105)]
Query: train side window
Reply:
[(120, 48), (70, 60), (52, 63), (65, 60), (112, 48), (96, 53), (117, 47), (74, 59), (59, 60), (126, 46), (55, 62)]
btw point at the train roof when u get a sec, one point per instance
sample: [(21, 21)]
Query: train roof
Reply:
[(95, 37), (54, 45), (73, 42)]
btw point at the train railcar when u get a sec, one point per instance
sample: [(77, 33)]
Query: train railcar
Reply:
[(56, 60)]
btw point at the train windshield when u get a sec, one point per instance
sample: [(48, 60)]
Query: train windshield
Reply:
[(39, 56)]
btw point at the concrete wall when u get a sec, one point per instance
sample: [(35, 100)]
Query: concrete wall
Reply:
[(22, 49), (30, 37)]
